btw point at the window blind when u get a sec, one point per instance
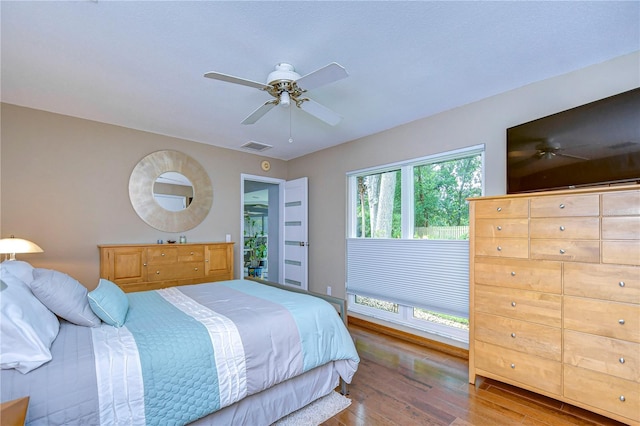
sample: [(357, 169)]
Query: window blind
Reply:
[(428, 274)]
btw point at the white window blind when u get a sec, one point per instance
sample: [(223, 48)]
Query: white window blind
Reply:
[(428, 274)]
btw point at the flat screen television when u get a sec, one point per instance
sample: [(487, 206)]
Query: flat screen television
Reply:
[(593, 144)]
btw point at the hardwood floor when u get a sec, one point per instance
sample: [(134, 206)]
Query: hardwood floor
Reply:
[(402, 383)]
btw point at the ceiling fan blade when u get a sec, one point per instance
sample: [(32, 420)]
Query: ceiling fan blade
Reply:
[(320, 77), (258, 113), (577, 157), (320, 112), (236, 80), (522, 153)]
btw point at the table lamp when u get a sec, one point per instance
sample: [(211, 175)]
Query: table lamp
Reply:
[(10, 246)]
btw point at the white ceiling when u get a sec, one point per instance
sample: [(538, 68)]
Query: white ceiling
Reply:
[(140, 64)]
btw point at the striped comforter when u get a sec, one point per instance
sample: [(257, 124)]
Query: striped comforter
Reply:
[(188, 351)]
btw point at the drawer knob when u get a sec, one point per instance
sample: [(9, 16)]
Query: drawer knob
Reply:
[(562, 228), (499, 248), (621, 360), (499, 209), (621, 321), (622, 398), (513, 274), (621, 283), (513, 366), (561, 206), (513, 304), (191, 253), (195, 269), (513, 335), (499, 228), (162, 254), (206, 260), (157, 272), (562, 251), (144, 264)]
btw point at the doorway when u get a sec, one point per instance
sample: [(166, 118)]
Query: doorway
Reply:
[(275, 217), (261, 228)]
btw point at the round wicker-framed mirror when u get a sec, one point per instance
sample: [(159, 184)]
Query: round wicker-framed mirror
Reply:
[(141, 191)]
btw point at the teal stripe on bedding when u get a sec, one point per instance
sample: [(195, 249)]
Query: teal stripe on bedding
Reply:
[(322, 332), (166, 337)]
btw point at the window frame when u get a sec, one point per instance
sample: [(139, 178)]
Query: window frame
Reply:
[(405, 313)]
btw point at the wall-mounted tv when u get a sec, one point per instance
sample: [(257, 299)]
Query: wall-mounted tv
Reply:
[(593, 144)]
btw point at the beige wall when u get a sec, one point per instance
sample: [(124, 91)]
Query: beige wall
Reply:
[(64, 181), (483, 122), (65, 186)]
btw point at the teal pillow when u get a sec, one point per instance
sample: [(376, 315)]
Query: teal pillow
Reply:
[(109, 303)]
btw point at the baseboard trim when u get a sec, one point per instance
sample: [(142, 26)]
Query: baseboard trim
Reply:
[(408, 337)]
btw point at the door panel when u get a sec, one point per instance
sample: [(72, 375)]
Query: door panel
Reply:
[(296, 244)]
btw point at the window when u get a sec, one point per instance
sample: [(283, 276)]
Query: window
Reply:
[(379, 196), (407, 248)]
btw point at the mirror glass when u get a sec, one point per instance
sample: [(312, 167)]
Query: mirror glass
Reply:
[(173, 191), (150, 177)]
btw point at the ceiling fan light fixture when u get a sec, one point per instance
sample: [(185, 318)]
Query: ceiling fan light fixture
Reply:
[(285, 99)]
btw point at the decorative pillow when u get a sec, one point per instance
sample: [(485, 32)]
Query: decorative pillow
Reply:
[(109, 302), (28, 328), (19, 269), (64, 296)]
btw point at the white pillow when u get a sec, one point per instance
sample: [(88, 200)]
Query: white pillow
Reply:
[(64, 296), (27, 327), (19, 269)]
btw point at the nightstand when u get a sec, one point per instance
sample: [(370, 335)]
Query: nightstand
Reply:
[(13, 413)]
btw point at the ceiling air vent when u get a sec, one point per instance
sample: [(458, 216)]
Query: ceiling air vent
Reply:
[(256, 146)]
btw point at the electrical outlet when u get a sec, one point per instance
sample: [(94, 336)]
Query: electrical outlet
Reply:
[(328, 290)]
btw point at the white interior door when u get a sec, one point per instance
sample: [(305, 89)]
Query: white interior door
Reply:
[(296, 243)]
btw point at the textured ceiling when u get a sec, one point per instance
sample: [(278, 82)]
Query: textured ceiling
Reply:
[(140, 64)]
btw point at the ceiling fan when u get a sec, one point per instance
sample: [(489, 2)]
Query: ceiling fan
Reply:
[(286, 86), (544, 149)]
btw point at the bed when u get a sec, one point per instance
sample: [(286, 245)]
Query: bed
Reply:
[(230, 352)]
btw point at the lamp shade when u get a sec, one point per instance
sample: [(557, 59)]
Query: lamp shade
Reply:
[(14, 245)]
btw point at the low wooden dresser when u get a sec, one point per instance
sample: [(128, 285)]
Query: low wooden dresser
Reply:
[(138, 267), (555, 296)]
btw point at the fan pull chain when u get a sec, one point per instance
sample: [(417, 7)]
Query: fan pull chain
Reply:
[(290, 137)]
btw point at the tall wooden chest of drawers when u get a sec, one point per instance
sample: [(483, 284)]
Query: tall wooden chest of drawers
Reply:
[(138, 267), (555, 296)]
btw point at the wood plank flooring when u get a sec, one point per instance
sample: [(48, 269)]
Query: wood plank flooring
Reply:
[(402, 383)]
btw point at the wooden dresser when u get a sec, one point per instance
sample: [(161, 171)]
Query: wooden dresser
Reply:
[(555, 296), (138, 267)]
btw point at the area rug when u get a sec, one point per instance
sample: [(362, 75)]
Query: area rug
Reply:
[(317, 412)]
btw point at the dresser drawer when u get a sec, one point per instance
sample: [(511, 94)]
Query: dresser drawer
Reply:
[(566, 250), (191, 253), (496, 227), (578, 228), (565, 206), (518, 367), (502, 247), (162, 255), (604, 354), (608, 282), (536, 275), (522, 336), (610, 319), (609, 393), (502, 208), (185, 270), (533, 306), (623, 203), (621, 252), (621, 228)]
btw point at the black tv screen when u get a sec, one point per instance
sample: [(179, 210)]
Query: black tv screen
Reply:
[(593, 144)]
